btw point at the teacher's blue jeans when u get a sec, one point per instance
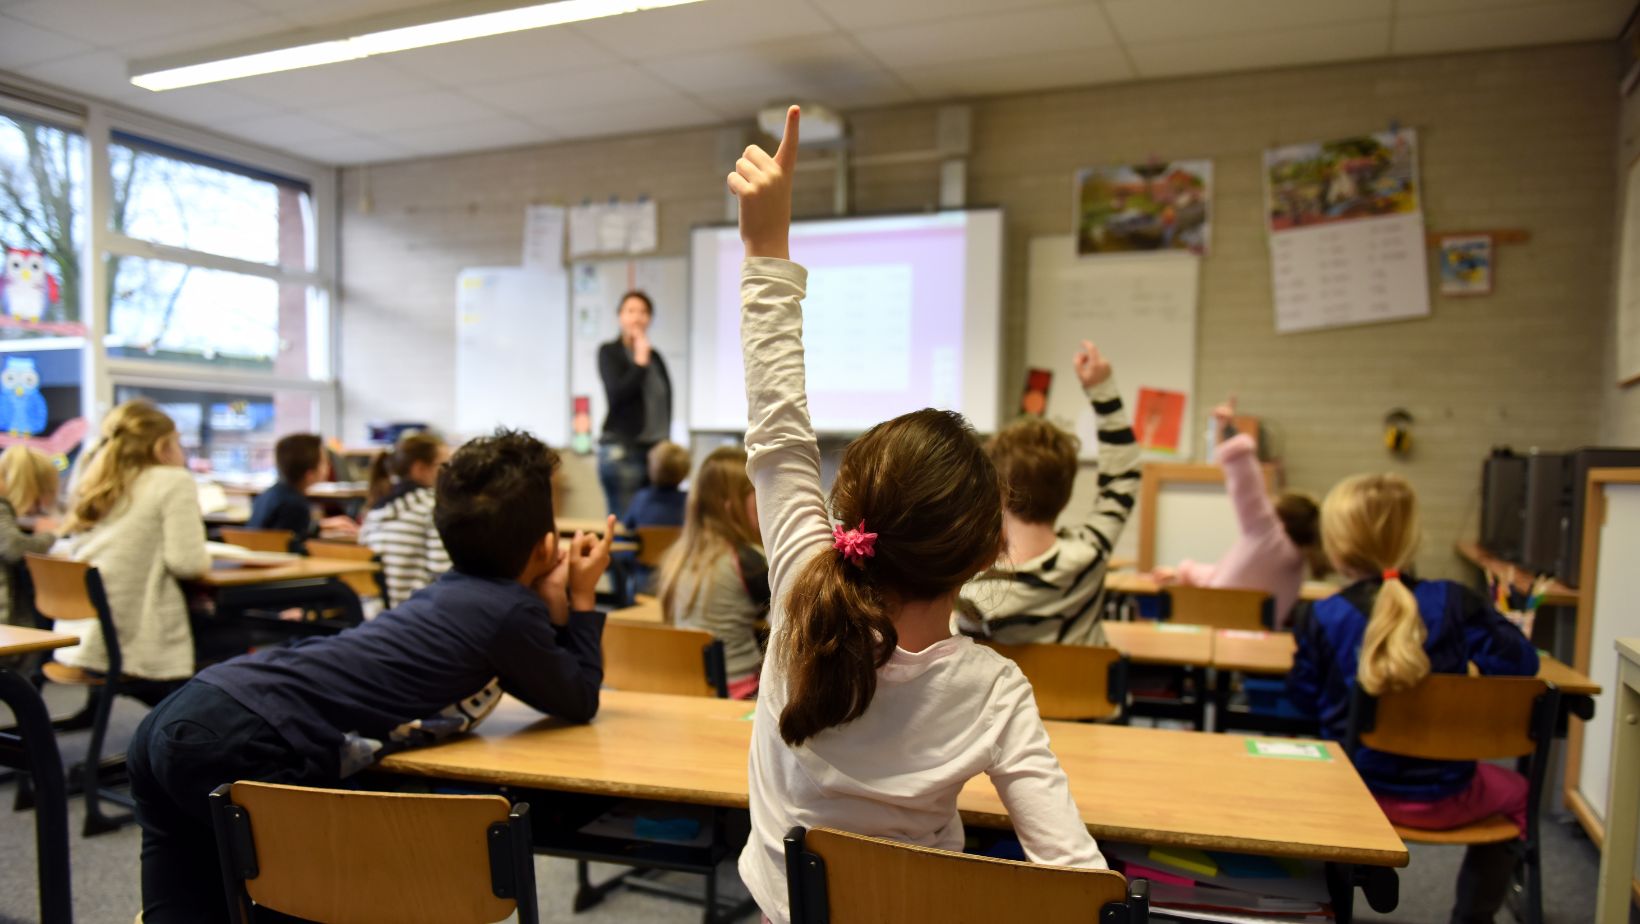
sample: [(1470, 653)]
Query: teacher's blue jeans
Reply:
[(622, 470)]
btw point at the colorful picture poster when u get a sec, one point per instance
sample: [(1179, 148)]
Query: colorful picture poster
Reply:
[(1346, 232), (1466, 264), (1165, 205), (1158, 421)]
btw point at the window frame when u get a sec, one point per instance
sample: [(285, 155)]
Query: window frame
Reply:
[(98, 122)]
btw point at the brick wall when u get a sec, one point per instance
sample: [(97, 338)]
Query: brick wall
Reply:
[(1621, 423), (1520, 138)]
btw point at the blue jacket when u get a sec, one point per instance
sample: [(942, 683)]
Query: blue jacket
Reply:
[(656, 506), (1462, 628)]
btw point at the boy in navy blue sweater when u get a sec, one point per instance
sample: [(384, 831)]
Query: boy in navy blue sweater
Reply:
[(515, 615)]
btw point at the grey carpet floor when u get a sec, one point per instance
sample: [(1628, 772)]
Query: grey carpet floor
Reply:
[(106, 890)]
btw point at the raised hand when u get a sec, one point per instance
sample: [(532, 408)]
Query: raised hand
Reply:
[(763, 184), (588, 560), (1091, 366), (1224, 413)]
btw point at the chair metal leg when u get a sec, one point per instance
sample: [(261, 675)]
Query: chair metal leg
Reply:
[(96, 821), (45, 765)]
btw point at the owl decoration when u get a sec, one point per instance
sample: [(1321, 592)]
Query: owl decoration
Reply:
[(27, 290), (22, 407)]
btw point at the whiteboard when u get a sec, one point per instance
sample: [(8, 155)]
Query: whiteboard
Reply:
[(1194, 521), (510, 351), (1628, 281), (1140, 310), (1617, 586), (596, 287)]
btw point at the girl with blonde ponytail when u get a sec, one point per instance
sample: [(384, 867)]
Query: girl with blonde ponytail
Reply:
[(1386, 632), (871, 715)]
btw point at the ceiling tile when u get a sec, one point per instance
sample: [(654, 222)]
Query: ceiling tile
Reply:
[(627, 119), (484, 135), (866, 14), (284, 130), (828, 69), (103, 74), (703, 27), (333, 84), (1346, 42), (1158, 22), (503, 57), (1511, 26), (351, 149), (22, 44), (328, 12), (1017, 73), (1014, 34), (207, 106), (102, 22), (186, 41), (418, 110), (622, 83)]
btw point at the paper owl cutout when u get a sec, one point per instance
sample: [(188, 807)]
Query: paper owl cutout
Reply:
[(22, 407), (27, 290)]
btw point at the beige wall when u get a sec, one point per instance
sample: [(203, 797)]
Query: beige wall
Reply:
[(1512, 139), (1621, 425)]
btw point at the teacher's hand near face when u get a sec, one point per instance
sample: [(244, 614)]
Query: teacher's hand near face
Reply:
[(641, 347)]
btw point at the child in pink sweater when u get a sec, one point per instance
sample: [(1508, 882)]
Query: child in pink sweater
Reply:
[(1279, 539)]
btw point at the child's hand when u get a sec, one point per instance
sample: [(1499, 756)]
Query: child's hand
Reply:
[(1224, 414), (1165, 577), (553, 589), (763, 184), (1091, 367), (339, 525), (588, 560), (45, 524)]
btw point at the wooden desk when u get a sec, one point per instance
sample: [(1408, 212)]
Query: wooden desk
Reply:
[(1623, 797), (1142, 785), (569, 526), (1570, 680), (1253, 652), (1141, 584), (646, 611), (338, 491), (1161, 643), (1557, 594), (233, 516), (301, 569), (21, 640)]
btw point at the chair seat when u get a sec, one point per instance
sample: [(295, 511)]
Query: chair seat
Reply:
[(58, 672), (1490, 830)]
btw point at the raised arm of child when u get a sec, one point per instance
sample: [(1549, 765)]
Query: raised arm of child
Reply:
[(1118, 450), (783, 457)]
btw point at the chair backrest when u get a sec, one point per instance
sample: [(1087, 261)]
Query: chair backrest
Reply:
[(258, 540), (1219, 607), (663, 659), (363, 583), (345, 856), (1072, 682), (60, 587), (653, 541), (1454, 717), (849, 878)]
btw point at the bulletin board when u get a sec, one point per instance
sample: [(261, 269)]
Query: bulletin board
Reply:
[(1628, 281), (596, 287), (1139, 309)]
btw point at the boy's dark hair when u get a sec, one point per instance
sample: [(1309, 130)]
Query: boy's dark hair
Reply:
[(1037, 463), (296, 455), (494, 503)]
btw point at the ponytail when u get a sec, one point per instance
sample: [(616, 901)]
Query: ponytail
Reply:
[(381, 481), (1392, 648), (836, 636)]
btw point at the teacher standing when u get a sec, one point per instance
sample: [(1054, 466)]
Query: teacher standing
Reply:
[(639, 394)]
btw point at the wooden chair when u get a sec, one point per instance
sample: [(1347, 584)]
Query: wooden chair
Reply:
[(1076, 683), (653, 543), (363, 583), (834, 876), (344, 856), (1455, 717), (69, 591), (664, 659), (259, 540), (1221, 608), (645, 610)]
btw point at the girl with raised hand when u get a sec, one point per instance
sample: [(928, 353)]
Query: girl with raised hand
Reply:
[(872, 715)]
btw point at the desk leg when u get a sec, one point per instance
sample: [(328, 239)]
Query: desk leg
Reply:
[(45, 765), (1380, 885), (1622, 802)]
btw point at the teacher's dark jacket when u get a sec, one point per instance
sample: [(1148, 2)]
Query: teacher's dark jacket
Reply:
[(623, 386)]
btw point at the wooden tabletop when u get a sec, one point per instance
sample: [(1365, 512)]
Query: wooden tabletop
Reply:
[(1520, 578), (1140, 584), (299, 569), (571, 525), (18, 640), (1253, 652), (1142, 785), (233, 516), (1161, 643), (647, 611), (1569, 679), (339, 490)]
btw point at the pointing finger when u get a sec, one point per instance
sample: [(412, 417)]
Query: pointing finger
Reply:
[(786, 156)]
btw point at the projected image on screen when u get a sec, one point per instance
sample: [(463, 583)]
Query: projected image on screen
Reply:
[(901, 314)]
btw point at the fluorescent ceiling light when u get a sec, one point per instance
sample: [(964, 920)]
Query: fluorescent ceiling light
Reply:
[(359, 42)]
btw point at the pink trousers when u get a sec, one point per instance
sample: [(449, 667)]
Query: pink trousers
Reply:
[(1494, 791)]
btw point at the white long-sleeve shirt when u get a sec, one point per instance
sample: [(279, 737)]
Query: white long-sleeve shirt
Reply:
[(153, 537), (940, 716)]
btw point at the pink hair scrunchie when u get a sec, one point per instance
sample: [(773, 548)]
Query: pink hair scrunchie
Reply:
[(855, 544)]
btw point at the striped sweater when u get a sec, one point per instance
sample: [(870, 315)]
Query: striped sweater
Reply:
[(400, 529), (1058, 595)]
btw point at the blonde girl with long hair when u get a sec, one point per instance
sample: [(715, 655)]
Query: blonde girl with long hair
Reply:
[(134, 514), (1386, 632), (28, 490), (715, 577)]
